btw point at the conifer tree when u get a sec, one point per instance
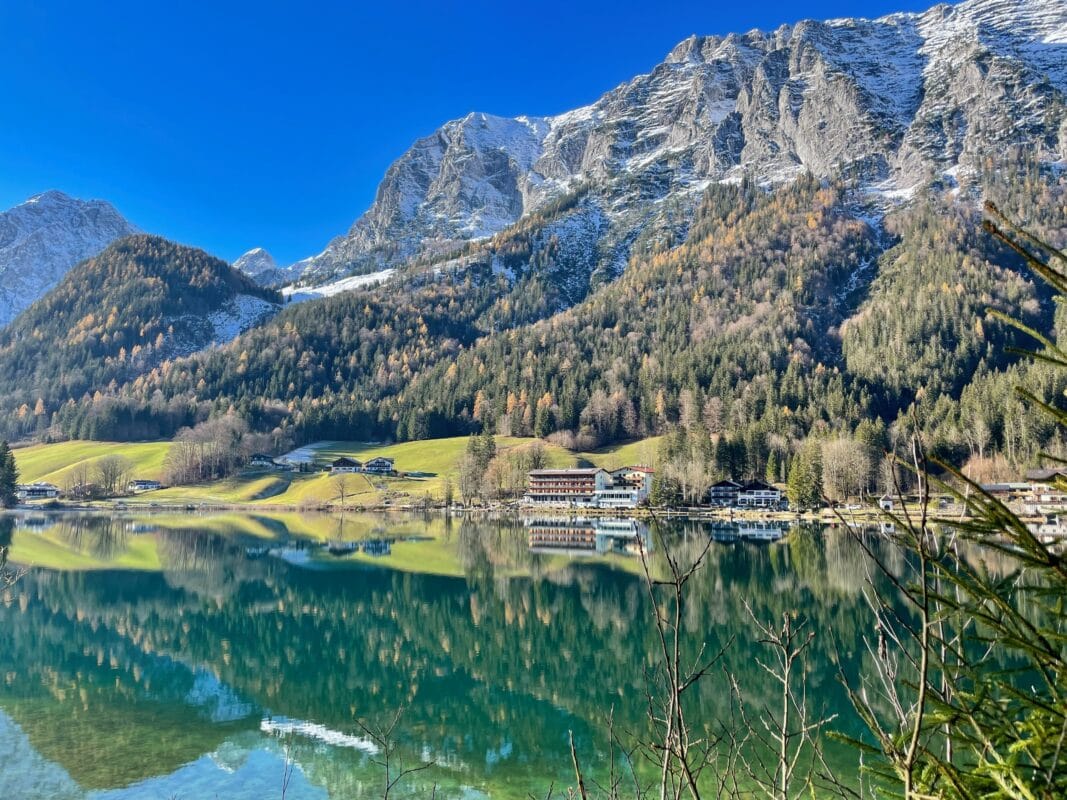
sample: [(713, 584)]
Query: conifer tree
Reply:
[(771, 473), (804, 483), (9, 475)]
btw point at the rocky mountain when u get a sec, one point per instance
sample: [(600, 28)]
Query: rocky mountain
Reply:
[(261, 267), (41, 239), (893, 102)]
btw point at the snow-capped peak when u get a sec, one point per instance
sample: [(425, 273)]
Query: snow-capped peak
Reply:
[(255, 261), (43, 237), (261, 267), (893, 99)]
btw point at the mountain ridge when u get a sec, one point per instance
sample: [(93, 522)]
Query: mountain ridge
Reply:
[(895, 99), (139, 302), (768, 302)]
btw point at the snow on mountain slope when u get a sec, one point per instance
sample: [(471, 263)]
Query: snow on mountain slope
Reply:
[(255, 262), (295, 294), (42, 238), (194, 332), (239, 315), (894, 99)]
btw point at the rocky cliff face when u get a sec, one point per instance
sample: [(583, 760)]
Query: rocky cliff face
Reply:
[(41, 239), (894, 101)]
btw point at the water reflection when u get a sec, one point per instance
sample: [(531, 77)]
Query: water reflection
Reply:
[(575, 536), (496, 636)]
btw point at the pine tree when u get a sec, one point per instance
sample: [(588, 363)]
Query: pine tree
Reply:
[(488, 444), (771, 474), (665, 491), (804, 483), (9, 476)]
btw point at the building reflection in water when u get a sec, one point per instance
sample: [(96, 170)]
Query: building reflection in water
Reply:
[(577, 536), (749, 531)]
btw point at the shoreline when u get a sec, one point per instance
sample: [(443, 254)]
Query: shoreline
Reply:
[(866, 516)]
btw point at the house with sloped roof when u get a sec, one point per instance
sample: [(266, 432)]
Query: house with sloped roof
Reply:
[(757, 494), (380, 466), (344, 464)]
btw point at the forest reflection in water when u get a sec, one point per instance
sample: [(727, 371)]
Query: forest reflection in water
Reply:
[(496, 637)]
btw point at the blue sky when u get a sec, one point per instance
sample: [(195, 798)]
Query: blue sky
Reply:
[(234, 125)]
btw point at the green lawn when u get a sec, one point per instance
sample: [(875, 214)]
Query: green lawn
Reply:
[(440, 458), (640, 451), (53, 462)]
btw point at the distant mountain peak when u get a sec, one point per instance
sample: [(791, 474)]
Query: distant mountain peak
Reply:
[(261, 267), (255, 259), (43, 237)]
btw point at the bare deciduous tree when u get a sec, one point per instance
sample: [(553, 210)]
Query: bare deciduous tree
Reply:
[(111, 473), (390, 756), (78, 482), (680, 753), (342, 486), (790, 735), (845, 467)]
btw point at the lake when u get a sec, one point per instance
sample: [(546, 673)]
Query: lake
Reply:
[(201, 657)]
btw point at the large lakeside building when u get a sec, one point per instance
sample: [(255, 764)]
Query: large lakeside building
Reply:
[(566, 486), (628, 487)]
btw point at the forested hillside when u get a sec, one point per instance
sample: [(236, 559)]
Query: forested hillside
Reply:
[(333, 367), (752, 295), (782, 312), (143, 299)]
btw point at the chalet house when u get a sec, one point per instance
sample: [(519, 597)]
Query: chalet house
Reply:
[(379, 466), (637, 477), (758, 494), (885, 502), (143, 485), (630, 488), (724, 493), (1045, 497), (262, 460), (36, 491), (567, 486), (344, 465)]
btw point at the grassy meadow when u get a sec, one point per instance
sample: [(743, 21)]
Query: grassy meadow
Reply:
[(438, 458)]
